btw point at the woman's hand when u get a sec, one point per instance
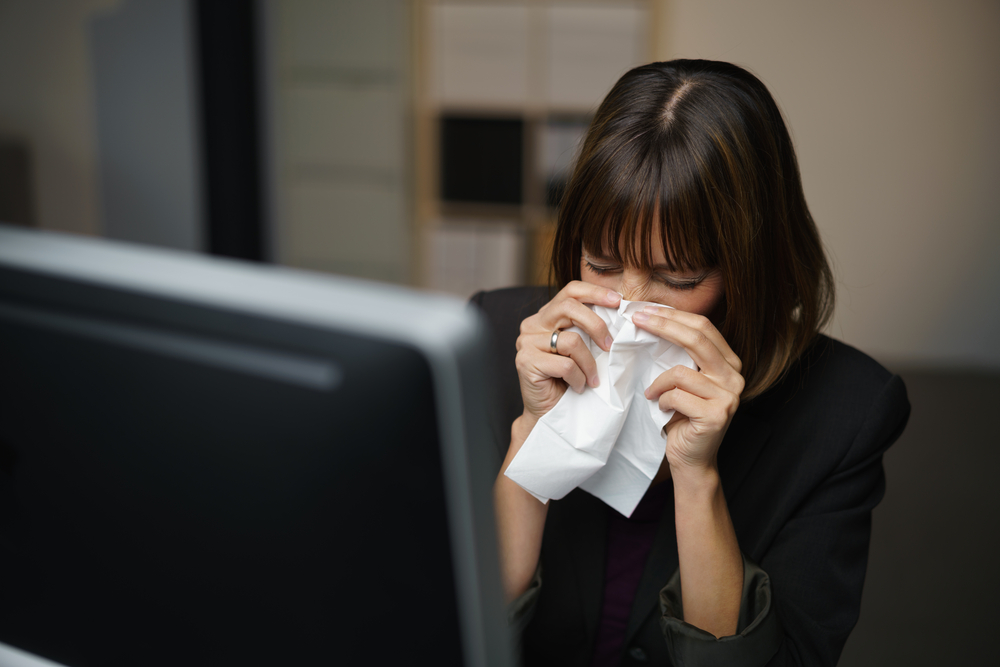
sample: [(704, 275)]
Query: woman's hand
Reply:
[(706, 400), (544, 376)]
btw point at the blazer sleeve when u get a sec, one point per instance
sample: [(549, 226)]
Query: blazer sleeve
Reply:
[(800, 604)]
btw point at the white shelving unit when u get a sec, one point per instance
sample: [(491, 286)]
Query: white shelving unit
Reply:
[(547, 62)]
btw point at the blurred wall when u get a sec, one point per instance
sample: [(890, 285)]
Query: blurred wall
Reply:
[(47, 102), (101, 94), (893, 107), (338, 81), (144, 81)]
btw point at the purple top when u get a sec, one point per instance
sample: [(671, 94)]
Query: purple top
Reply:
[(630, 540)]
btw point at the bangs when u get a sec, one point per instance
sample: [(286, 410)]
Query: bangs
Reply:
[(653, 198)]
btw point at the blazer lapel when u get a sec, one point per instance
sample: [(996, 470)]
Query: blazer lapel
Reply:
[(588, 537), (740, 448), (660, 566)]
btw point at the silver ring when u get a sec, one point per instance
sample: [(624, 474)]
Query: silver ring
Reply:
[(554, 341)]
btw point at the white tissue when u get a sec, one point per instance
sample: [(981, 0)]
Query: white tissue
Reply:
[(609, 441)]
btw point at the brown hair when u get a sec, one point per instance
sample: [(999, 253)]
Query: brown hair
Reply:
[(696, 152)]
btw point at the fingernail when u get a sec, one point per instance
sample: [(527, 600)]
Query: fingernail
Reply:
[(607, 342), (595, 381), (646, 393), (614, 297), (640, 317), (652, 309)]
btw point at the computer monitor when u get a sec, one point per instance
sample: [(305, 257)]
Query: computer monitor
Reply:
[(207, 462)]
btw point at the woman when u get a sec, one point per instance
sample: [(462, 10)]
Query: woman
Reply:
[(750, 546)]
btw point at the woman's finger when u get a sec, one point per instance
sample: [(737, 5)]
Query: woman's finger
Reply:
[(567, 313), (698, 342), (690, 380), (570, 344), (589, 293), (536, 365), (704, 416), (696, 384), (701, 324)]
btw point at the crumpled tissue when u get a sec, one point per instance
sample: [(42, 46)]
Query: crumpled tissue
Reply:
[(609, 440)]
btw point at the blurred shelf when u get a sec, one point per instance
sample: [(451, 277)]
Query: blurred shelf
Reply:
[(488, 74)]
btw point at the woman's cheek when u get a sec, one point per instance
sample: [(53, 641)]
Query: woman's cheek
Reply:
[(608, 282), (701, 301)]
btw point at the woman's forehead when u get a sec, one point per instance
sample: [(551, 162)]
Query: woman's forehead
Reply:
[(635, 243)]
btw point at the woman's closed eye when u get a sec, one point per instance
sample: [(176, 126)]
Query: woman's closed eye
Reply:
[(600, 268), (681, 284)]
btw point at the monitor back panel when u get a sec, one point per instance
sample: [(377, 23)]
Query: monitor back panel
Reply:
[(180, 485)]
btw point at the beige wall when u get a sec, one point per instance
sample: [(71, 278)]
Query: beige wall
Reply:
[(894, 107), (338, 79), (46, 99)]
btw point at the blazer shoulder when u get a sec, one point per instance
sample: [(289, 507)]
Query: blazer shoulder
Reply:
[(511, 302), (831, 360), (505, 309), (839, 395), (833, 374), (852, 377)]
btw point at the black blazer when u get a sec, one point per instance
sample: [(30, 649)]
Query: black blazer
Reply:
[(801, 468)]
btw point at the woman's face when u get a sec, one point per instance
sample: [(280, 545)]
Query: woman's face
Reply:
[(700, 291)]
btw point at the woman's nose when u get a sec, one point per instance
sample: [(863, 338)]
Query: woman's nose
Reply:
[(632, 285)]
